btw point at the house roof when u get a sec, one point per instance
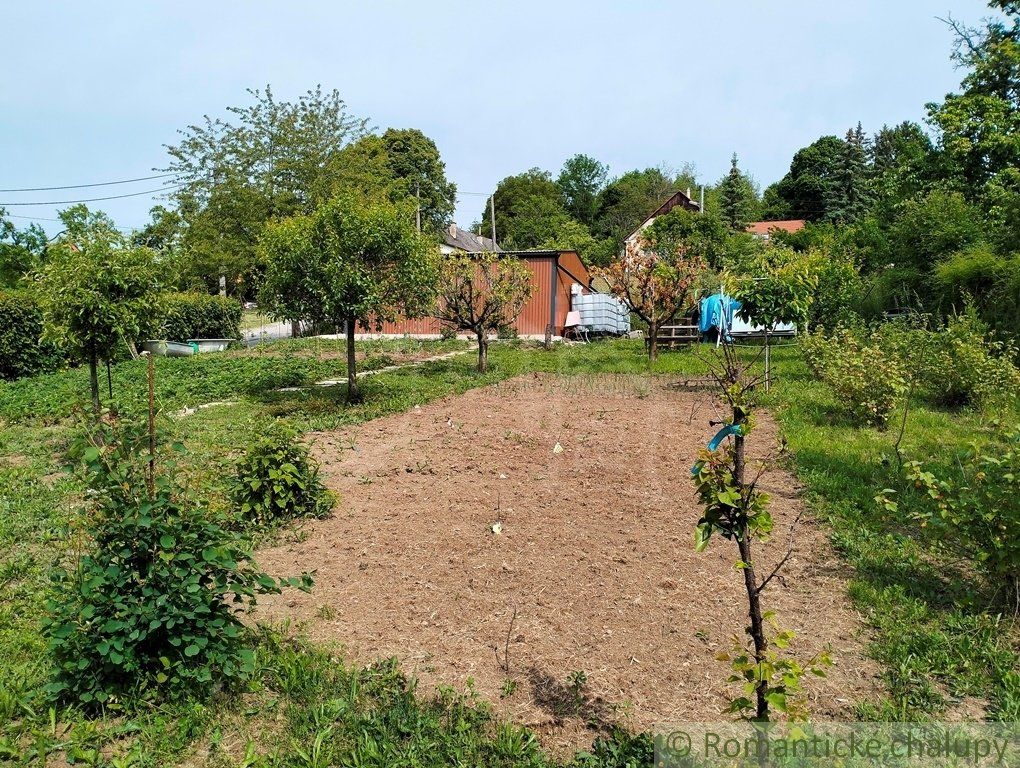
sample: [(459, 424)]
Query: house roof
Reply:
[(463, 240), (764, 227), (677, 198)]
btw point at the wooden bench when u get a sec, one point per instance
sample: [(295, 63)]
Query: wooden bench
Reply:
[(671, 336)]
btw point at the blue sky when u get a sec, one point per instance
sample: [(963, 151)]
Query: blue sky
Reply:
[(92, 91)]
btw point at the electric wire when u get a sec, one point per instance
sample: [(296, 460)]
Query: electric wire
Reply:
[(84, 186)]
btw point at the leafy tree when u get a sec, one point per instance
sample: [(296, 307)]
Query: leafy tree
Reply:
[(980, 127), (97, 291), (656, 274), (418, 171), (627, 201), (21, 250), (481, 294), (529, 210), (580, 181), (352, 261), (810, 189), (738, 199), (163, 232), (776, 285), (571, 235), (903, 165), (268, 160), (934, 226)]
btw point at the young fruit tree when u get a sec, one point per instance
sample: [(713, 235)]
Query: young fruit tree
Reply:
[(657, 271), (97, 292), (774, 285), (481, 293), (735, 508), (351, 261)]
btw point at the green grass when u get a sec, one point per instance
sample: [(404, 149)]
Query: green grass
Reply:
[(933, 635)]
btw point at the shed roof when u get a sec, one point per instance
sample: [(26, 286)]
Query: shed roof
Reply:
[(786, 225), (463, 240)]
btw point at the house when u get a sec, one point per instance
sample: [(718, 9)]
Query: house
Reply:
[(763, 229), (456, 239), (553, 275), (682, 199)]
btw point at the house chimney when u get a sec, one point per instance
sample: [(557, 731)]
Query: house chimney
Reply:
[(688, 193), (453, 231)]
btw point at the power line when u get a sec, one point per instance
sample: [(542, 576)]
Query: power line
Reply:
[(97, 199), (83, 186), (61, 221)]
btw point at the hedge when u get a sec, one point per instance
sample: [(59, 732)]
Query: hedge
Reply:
[(22, 352), (200, 316)]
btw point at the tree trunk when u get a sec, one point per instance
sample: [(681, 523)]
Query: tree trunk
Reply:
[(352, 366), (483, 352), (94, 379), (757, 628), (295, 329), (653, 341)]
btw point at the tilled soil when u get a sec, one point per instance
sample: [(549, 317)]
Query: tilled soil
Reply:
[(593, 570)]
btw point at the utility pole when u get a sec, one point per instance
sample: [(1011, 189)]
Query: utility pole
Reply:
[(702, 198), (492, 214), (417, 213)]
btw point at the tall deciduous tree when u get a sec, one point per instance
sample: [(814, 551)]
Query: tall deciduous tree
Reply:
[(97, 291), (21, 250), (657, 272), (580, 181), (810, 189), (351, 261), (481, 294), (418, 172), (267, 160), (529, 210), (627, 201)]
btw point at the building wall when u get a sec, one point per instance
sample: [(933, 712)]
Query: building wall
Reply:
[(549, 302)]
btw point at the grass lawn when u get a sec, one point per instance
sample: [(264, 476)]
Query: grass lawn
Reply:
[(941, 649)]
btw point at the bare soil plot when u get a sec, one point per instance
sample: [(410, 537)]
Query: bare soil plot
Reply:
[(595, 554)]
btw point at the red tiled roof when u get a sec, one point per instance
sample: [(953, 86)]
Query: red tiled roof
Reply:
[(764, 227)]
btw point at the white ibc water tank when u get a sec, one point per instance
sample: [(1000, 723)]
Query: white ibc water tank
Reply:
[(602, 313)]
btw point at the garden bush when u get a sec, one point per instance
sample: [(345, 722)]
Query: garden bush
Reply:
[(277, 480), (973, 511), (200, 316), (866, 379), (150, 610), (982, 371), (959, 364), (22, 352)]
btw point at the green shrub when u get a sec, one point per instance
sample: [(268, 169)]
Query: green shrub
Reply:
[(867, 380), (277, 480), (201, 316), (981, 371), (974, 512), (22, 352), (151, 608), (960, 364)]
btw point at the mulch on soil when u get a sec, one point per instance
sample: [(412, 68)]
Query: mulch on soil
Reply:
[(593, 569)]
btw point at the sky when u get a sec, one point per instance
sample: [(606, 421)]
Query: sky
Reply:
[(91, 92)]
